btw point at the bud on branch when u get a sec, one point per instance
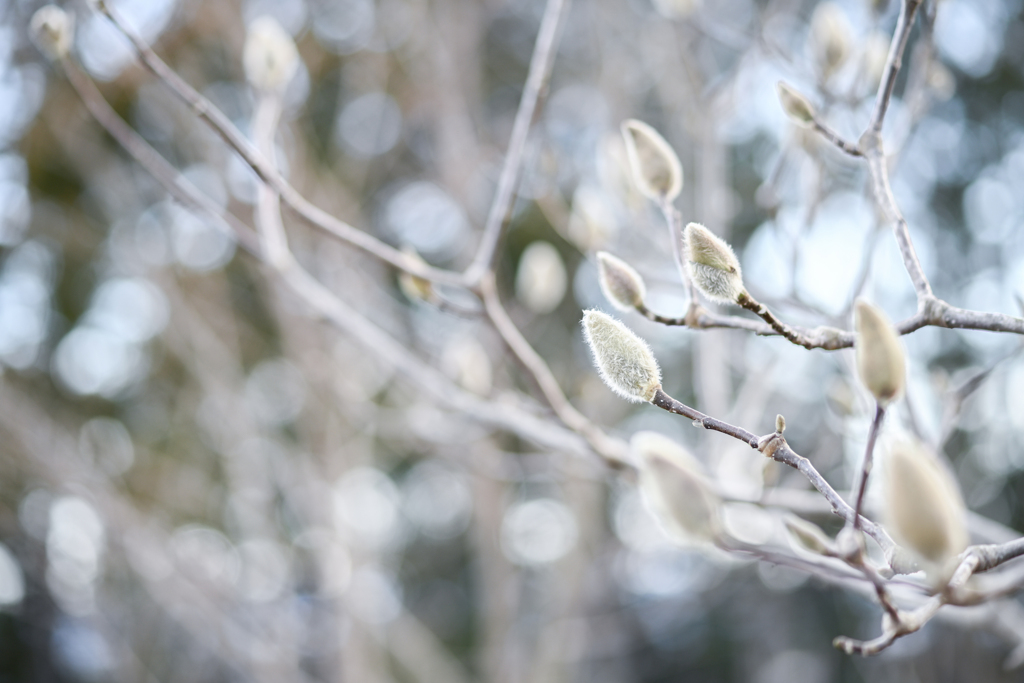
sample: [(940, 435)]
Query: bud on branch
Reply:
[(795, 105), (624, 360), (674, 488), (622, 285), (270, 57), (656, 168), (712, 265), (52, 30), (880, 361)]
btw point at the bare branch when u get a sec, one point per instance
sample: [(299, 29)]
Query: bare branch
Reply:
[(536, 83), (865, 469), (220, 124)]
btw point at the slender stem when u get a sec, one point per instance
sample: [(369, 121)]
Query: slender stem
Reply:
[(674, 221), (775, 447), (893, 62), (836, 139), (536, 84), (612, 450), (751, 304), (865, 468)]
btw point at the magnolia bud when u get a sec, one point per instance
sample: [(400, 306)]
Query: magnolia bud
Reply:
[(415, 288), (780, 424), (52, 30), (924, 507), (796, 106), (829, 37), (270, 57), (880, 361), (656, 168), (541, 279), (673, 486), (809, 536), (624, 360), (712, 265), (622, 285)]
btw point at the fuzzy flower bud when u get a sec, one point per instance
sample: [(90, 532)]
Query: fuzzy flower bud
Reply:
[(712, 265), (52, 30), (780, 424), (796, 106), (624, 360), (270, 57), (880, 360), (829, 38), (674, 488), (809, 536), (656, 168), (924, 507), (622, 285)]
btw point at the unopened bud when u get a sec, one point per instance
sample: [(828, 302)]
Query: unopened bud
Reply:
[(656, 168), (624, 360), (923, 503), (780, 424), (622, 285), (712, 265), (809, 536), (52, 30), (829, 37), (674, 488), (796, 106), (880, 360), (541, 279), (270, 57), (414, 287)]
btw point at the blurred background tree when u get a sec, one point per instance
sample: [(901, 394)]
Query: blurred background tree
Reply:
[(202, 482)]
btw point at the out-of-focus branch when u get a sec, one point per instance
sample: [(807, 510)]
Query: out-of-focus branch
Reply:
[(180, 187), (536, 84), (212, 116), (613, 450), (893, 62)]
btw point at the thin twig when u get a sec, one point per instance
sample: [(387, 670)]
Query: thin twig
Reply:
[(893, 62), (774, 446), (536, 84), (865, 469), (836, 139)]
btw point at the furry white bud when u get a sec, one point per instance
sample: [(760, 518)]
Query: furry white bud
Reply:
[(712, 265), (270, 57), (924, 508), (829, 37), (880, 361), (622, 285), (541, 279), (796, 106), (674, 488), (624, 360), (52, 30), (656, 168)]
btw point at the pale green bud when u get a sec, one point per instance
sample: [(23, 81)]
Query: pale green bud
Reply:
[(924, 508), (622, 285), (624, 360), (674, 488), (712, 265), (880, 360), (780, 424), (52, 30), (656, 168), (796, 106), (414, 287), (270, 57), (809, 536)]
